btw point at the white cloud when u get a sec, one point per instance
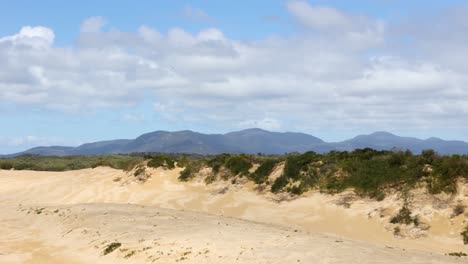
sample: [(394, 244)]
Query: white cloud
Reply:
[(34, 37), (321, 17), (93, 25), (196, 14), (359, 31), (265, 123)]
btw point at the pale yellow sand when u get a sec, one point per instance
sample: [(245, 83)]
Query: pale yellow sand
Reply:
[(93, 211)]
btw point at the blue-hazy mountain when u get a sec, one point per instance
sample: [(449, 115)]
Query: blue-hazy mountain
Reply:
[(249, 141)]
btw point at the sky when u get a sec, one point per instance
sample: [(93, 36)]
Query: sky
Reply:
[(73, 72)]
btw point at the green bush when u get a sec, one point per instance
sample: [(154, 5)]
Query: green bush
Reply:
[(217, 162), (369, 177), (189, 172), (457, 254), (111, 247), (403, 217), (428, 156), (238, 164), (161, 161), (279, 184), (298, 164), (6, 166), (263, 171)]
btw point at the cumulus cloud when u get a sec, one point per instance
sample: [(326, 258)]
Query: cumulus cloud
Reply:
[(33, 37), (337, 73), (357, 30)]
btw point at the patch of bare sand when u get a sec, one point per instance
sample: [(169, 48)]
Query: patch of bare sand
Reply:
[(315, 213), (81, 233)]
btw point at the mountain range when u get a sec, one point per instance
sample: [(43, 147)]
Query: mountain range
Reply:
[(252, 140)]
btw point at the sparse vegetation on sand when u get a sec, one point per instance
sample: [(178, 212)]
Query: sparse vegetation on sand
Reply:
[(156, 161), (43, 163), (457, 254), (121, 162), (369, 172), (464, 235), (111, 247)]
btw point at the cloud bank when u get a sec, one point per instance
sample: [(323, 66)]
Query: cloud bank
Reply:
[(339, 70)]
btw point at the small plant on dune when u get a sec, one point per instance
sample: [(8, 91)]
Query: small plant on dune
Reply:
[(457, 254), (404, 215), (131, 253), (139, 171), (111, 247), (458, 210), (464, 235)]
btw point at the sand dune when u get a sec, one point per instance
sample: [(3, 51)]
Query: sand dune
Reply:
[(71, 217)]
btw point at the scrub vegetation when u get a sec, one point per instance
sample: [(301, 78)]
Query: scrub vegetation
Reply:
[(369, 172)]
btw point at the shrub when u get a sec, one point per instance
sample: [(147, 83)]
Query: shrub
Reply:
[(464, 235), (263, 171), (139, 171), (189, 172), (457, 254), (217, 162), (428, 156), (403, 216), (161, 161), (279, 184), (370, 176), (298, 164), (238, 164), (458, 209), (111, 247), (296, 190), (6, 166)]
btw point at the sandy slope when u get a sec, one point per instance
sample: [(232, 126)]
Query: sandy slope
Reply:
[(86, 210)]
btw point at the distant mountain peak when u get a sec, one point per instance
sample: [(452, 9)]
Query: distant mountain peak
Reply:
[(254, 130), (383, 133)]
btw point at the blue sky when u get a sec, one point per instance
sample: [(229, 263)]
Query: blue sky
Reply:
[(80, 71)]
